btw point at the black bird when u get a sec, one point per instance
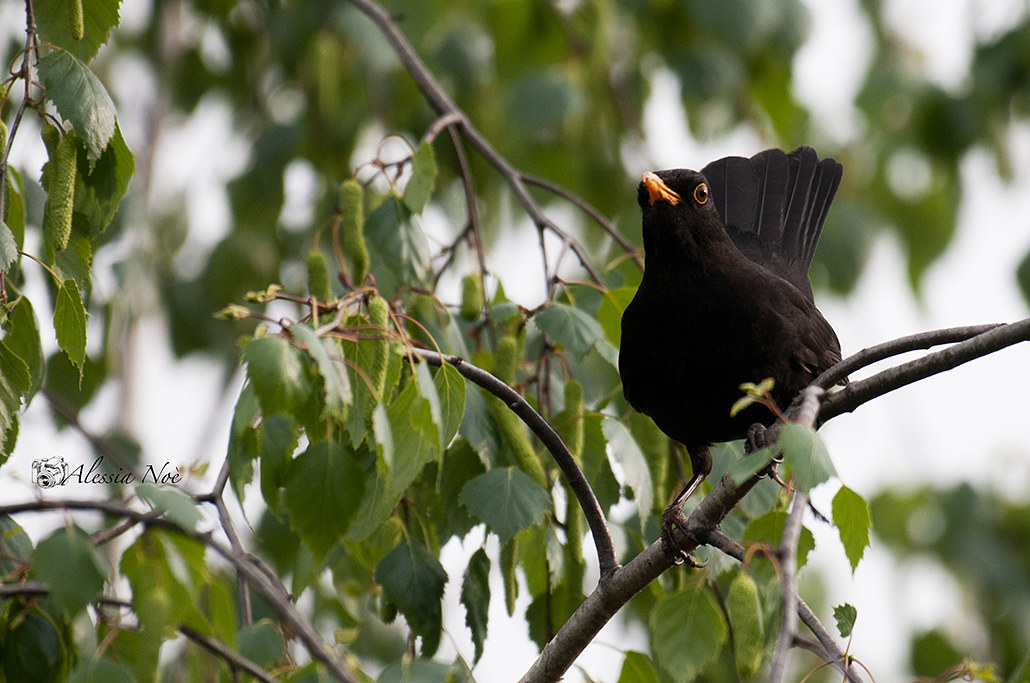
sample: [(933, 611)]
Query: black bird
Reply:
[(725, 297)]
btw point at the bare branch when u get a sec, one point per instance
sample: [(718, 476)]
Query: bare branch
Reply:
[(788, 555), (256, 572), (856, 393), (443, 105)]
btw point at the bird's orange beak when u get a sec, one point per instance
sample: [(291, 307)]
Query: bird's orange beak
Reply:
[(659, 191)]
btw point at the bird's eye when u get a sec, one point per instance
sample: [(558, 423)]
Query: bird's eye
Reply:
[(701, 193)]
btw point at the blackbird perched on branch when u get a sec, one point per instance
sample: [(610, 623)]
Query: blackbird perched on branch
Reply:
[(725, 298)]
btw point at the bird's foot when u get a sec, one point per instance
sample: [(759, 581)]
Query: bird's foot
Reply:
[(675, 535), (755, 438)]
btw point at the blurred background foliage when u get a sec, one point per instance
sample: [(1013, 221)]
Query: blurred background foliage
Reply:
[(560, 89)]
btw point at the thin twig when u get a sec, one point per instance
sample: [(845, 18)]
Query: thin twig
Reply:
[(443, 105), (253, 568)]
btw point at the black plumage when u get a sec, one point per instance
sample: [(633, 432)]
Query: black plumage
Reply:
[(725, 297)]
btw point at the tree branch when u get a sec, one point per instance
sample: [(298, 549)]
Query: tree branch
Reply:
[(443, 105), (606, 559), (256, 572), (985, 342)]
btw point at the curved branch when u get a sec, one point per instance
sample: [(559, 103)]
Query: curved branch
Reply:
[(702, 528), (606, 559), (252, 568), (443, 105), (894, 347), (856, 393)]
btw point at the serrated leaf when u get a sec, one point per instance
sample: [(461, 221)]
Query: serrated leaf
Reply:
[(806, 455), (574, 329), (413, 579), (323, 492), (423, 178), (475, 598), (276, 370), (173, 504), (80, 98), (851, 516), (55, 25), (67, 562), (70, 323), (687, 632), (398, 247), (23, 339), (846, 616), (335, 382), (623, 447), (100, 186), (744, 468), (8, 247), (507, 499), (450, 387)]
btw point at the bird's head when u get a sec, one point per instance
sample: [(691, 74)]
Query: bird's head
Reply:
[(679, 215)]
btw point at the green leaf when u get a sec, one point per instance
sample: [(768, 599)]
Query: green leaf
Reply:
[(15, 546), (398, 247), (80, 98), (55, 25), (804, 451), (637, 668), (336, 383), (23, 339), (1023, 277), (8, 247), (423, 178), (851, 516), (507, 499), (323, 493), (687, 632), (450, 387), (100, 670), (625, 450), (846, 616), (475, 598), (413, 579), (768, 529), (100, 186), (67, 562), (70, 323), (172, 503), (574, 329), (33, 649), (261, 643), (15, 214), (609, 313), (277, 370), (159, 598), (279, 436)]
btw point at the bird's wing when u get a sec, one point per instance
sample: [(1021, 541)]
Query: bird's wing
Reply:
[(774, 205)]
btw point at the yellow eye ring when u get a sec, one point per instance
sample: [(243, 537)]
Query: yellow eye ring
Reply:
[(701, 194)]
